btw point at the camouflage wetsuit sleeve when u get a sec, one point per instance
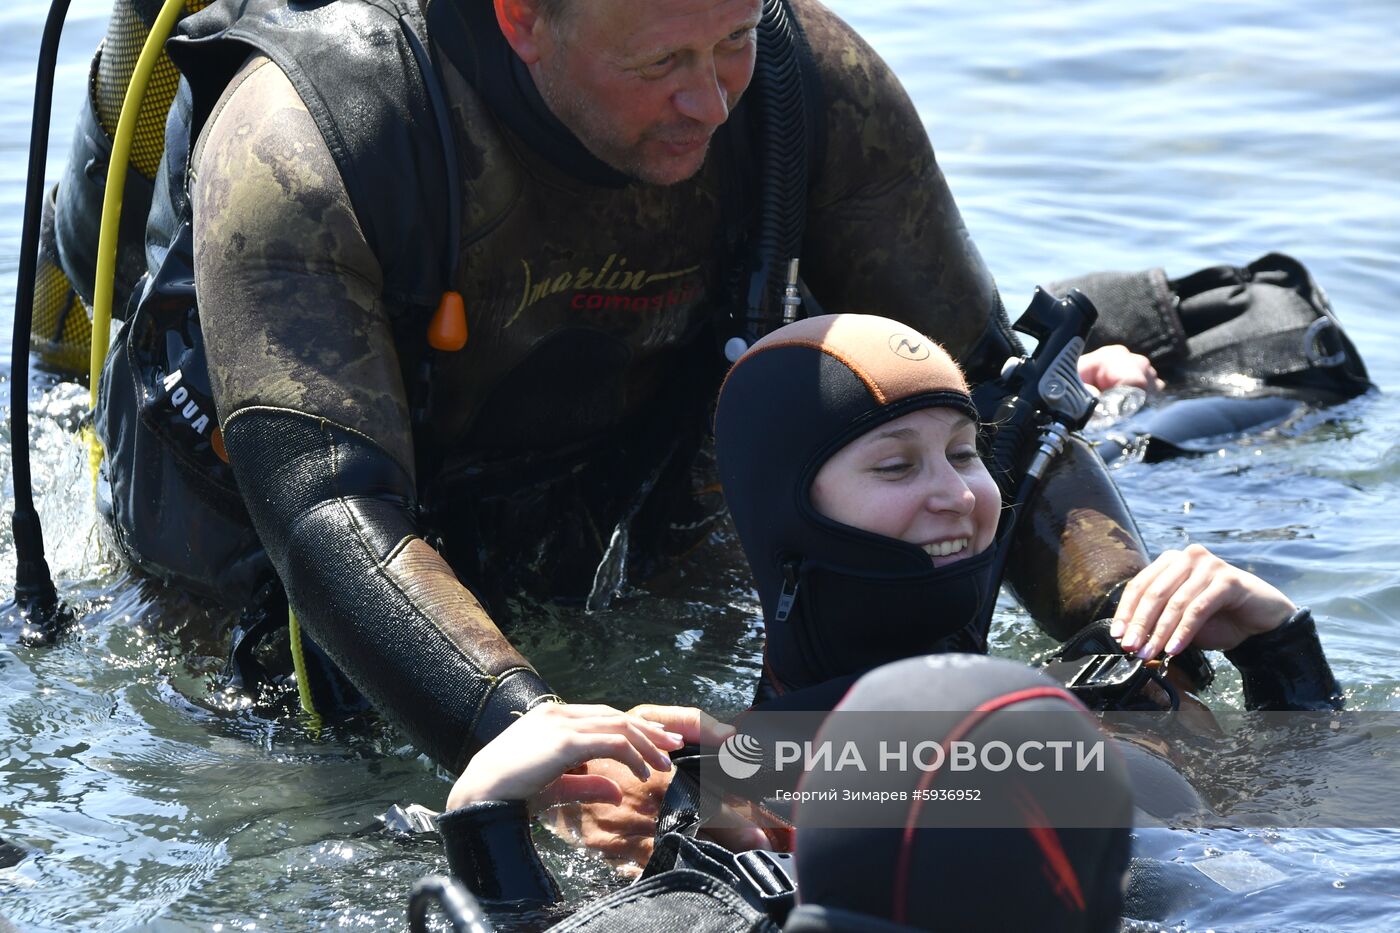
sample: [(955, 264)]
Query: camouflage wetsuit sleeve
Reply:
[(315, 421), (884, 236)]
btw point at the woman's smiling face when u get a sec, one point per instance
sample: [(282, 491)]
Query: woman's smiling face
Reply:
[(917, 478)]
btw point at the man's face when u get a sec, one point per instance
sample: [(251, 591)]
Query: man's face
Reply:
[(644, 84)]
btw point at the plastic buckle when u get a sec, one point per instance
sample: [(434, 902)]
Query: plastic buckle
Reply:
[(770, 876), (1101, 680)]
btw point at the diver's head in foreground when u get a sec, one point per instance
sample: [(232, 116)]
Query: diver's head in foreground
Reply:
[(1051, 840), (847, 447)]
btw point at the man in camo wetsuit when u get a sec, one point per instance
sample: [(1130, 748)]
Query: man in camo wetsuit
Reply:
[(602, 177)]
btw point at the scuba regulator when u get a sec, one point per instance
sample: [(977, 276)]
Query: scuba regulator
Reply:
[(1039, 396), (1031, 409)]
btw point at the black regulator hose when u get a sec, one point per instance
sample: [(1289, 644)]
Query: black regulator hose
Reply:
[(461, 910), (35, 596), (777, 70), (787, 120)]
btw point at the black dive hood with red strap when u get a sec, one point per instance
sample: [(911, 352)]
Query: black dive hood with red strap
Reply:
[(838, 600), (930, 875)]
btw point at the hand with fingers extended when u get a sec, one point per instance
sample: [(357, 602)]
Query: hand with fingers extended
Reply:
[(1116, 365), (624, 829), (541, 757), (1192, 597)]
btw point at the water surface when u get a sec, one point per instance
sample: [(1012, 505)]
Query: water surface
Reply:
[(1077, 136)]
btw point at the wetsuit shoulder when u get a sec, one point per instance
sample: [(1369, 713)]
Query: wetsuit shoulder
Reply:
[(307, 383), (883, 232), (289, 290), (493, 179)]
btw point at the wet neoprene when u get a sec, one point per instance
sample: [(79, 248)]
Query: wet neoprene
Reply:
[(346, 508), (1285, 669), (837, 600), (1065, 880), (488, 847), (1062, 879)]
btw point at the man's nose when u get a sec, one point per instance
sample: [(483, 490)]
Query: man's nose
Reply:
[(702, 98)]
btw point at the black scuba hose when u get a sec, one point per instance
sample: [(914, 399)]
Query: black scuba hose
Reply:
[(34, 590), (1014, 509), (458, 906), (784, 140)]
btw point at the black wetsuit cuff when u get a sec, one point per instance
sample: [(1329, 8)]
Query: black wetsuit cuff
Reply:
[(1285, 669), (489, 849), (516, 692)]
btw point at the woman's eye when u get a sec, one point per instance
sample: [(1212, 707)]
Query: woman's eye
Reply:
[(893, 469), (964, 457)]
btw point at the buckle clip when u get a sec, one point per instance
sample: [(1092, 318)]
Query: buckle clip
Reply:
[(1111, 681), (788, 596), (768, 874)]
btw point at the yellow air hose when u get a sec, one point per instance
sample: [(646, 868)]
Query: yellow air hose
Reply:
[(104, 286), (304, 692), (112, 206)]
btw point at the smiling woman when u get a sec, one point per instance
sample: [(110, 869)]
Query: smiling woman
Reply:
[(848, 450), (847, 446), (919, 479)]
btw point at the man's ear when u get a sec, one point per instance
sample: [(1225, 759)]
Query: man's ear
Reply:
[(520, 22)]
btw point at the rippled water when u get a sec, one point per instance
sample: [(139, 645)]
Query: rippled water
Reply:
[(1077, 136)]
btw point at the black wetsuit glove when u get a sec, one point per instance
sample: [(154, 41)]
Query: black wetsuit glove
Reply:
[(489, 850), (1286, 670)]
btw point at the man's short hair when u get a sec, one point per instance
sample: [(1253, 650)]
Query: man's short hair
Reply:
[(551, 10)]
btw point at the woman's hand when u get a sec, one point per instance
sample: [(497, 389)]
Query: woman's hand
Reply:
[(531, 758), (1116, 365), (1193, 597), (623, 830)]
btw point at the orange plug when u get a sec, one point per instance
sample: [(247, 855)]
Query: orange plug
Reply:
[(216, 441), (448, 329)]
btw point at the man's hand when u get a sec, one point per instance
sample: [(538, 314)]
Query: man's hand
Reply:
[(1193, 597), (535, 758), (624, 830), (1116, 365)]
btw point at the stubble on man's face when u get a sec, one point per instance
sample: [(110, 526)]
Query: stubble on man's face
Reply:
[(603, 136), (633, 125)]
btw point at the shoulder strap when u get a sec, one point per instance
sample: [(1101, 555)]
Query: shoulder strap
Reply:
[(362, 70)]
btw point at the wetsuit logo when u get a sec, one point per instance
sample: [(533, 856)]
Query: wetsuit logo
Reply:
[(611, 287), (910, 348), (181, 401), (740, 756)]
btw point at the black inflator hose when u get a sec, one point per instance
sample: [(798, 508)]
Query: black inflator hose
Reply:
[(784, 141), (35, 595), (457, 904)]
